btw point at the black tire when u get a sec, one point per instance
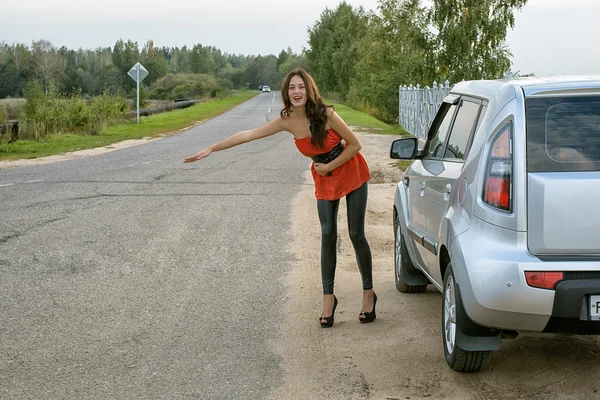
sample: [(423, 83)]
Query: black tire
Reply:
[(457, 358), (402, 263)]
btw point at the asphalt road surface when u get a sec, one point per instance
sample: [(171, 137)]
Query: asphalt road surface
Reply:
[(134, 275)]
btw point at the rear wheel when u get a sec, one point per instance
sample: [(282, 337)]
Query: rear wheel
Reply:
[(402, 262), (458, 359)]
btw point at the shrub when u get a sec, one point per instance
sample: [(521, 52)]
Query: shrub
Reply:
[(190, 86), (11, 109), (51, 113), (3, 113)]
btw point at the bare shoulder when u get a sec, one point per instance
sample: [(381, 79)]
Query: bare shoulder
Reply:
[(293, 125), (333, 118), (286, 123), (330, 111)]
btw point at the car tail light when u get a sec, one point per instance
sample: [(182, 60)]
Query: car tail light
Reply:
[(498, 179), (543, 280)]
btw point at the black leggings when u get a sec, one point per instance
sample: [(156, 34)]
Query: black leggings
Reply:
[(356, 203)]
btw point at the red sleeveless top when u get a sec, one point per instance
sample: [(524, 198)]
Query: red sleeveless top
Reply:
[(344, 179)]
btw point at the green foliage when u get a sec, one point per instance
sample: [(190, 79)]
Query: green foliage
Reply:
[(111, 80), (263, 71), (190, 86), (283, 56), (333, 49), (144, 94), (206, 60), (109, 108), (236, 76), (393, 52), (12, 70), (360, 58), (104, 70), (36, 103), (3, 113), (159, 124), (52, 113), (470, 43), (125, 55), (292, 62), (47, 63), (11, 109), (363, 59), (154, 61)]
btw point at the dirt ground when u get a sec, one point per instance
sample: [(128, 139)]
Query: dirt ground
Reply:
[(400, 355)]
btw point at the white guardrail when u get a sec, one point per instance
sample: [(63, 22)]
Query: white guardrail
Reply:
[(418, 106)]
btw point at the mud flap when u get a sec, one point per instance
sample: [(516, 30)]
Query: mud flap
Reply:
[(410, 274), (471, 336)]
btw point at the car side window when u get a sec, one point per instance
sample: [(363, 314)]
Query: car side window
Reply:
[(460, 134), (437, 145)]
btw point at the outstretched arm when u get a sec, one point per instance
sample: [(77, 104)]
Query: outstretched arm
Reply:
[(239, 138)]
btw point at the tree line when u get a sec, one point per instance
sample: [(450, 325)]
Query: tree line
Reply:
[(362, 57), (104, 70), (356, 56)]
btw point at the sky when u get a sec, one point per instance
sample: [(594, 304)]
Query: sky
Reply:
[(549, 37)]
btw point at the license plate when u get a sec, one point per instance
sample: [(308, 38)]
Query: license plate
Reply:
[(595, 308)]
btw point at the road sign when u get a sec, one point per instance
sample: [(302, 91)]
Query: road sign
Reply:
[(138, 73)]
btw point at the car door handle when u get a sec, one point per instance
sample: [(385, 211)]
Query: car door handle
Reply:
[(423, 185), (406, 181), (447, 191)]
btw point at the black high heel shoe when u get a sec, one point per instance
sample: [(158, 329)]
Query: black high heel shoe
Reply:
[(329, 320), (369, 316)]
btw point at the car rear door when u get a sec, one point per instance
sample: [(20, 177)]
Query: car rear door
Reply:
[(563, 174)]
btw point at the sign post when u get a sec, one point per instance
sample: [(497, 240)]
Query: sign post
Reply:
[(138, 73)]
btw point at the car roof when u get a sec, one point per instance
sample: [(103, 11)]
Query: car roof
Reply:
[(497, 91), (532, 86)]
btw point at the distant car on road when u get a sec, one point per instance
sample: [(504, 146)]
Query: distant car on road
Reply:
[(499, 211), (266, 89)]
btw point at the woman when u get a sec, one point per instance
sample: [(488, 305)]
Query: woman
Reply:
[(338, 170)]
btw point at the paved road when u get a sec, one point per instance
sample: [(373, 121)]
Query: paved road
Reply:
[(133, 275)]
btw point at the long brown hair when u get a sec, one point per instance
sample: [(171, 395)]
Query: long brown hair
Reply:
[(316, 110)]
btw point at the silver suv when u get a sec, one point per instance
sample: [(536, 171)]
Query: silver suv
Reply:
[(500, 212)]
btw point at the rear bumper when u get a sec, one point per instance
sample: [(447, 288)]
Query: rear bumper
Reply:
[(570, 311), (489, 264)]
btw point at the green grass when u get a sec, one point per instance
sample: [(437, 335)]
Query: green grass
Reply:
[(363, 122), (154, 125), (169, 123)]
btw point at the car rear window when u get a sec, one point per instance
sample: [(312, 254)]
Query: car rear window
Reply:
[(563, 134)]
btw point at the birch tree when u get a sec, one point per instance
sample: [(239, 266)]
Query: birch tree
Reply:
[(469, 37)]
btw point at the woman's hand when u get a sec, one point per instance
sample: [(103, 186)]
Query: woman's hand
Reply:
[(198, 156), (322, 169)]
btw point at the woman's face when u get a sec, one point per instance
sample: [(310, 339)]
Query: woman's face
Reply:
[(297, 91)]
